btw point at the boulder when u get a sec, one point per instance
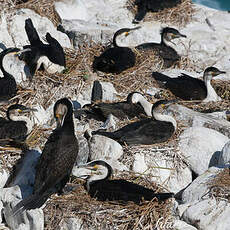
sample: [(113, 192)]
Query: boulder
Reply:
[(201, 147), (224, 157)]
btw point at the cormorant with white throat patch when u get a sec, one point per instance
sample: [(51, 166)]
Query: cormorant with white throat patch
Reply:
[(117, 58), (163, 49), (189, 88), (159, 128), (16, 128), (57, 159), (98, 185)]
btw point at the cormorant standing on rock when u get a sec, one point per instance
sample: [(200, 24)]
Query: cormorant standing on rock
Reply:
[(116, 59), (163, 49), (57, 159), (189, 88), (98, 185)]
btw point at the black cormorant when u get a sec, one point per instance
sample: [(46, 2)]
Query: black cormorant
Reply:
[(8, 86), (51, 56), (163, 49), (147, 131), (57, 159), (144, 6), (100, 187), (16, 128), (116, 59), (135, 106), (189, 88)]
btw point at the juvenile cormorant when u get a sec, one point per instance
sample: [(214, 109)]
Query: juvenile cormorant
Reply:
[(116, 59), (57, 159), (135, 106), (189, 88), (8, 86), (17, 126), (51, 56), (147, 131), (144, 6), (163, 49), (99, 186)]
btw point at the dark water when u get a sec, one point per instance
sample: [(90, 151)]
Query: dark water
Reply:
[(216, 4)]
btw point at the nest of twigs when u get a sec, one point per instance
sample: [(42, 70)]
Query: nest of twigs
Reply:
[(220, 185), (179, 15), (95, 214)]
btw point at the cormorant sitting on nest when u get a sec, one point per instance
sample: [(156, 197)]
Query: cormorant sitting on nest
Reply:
[(57, 159), (135, 106), (144, 6), (189, 88), (51, 56), (163, 49), (17, 127), (116, 59), (99, 186), (148, 131), (8, 86)]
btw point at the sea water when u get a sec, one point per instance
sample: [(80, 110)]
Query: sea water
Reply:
[(216, 4)]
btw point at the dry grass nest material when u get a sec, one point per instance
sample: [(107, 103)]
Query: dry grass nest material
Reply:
[(220, 185), (179, 15), (107, 215)]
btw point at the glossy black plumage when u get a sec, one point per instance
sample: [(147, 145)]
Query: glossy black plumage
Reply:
[(163, 50), (115, 59), (145, 6), (53, 50), (118, 190), (143, 132), (57, 159), (146, 131), (8, 86), (122, 110), (185, 86)]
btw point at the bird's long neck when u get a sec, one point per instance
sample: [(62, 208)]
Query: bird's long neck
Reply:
[(147, 106), (29, 123), (211, 93), (164, 117), (5, 73)]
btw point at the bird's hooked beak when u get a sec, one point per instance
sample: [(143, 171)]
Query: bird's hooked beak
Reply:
[(132, 29), (85, 171), (59, 119), (28, 110), (214, 74)]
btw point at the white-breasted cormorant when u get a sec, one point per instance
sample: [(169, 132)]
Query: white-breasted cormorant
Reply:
[(144, 6), (163, 49), (135, 106), (57, 159), (98, 185), (117, 58), (8, 85), (148, 131), (189, 88), (51, 56), (18, 125)]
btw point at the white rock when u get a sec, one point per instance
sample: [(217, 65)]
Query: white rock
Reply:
[(109, 93), (224, 157), (42, 25), (104, 148), (1, 208), (181, 225), (83, 153), (32, 219), (201, 146), (200, 186), (71, 224), (163, 171), (4, 175), (209, 214)]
